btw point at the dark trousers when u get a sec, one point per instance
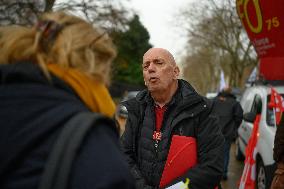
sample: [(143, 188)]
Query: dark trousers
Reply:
[(226, 157)]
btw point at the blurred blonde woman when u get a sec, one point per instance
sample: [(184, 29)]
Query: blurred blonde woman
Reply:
[(49, 73)]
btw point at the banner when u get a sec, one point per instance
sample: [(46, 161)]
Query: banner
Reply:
[(264, 23)]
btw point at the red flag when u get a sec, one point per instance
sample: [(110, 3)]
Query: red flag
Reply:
[(248, 177), (276, 102)]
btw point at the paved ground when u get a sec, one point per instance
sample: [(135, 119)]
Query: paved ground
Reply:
[(235, 171)]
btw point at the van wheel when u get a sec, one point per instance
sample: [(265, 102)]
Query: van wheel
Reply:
[(239, 155), (261, 176)]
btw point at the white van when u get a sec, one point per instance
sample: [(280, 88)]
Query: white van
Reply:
[(255, 100)]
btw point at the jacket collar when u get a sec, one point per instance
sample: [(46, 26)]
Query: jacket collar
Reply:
[(185, 95)]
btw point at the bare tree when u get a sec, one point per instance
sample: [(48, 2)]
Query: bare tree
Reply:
[(20, 12), (48, 5), (199, 69), (110, 15), (215, 25)]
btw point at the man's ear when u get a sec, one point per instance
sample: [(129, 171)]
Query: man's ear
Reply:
[(176, 72), (145, 83)]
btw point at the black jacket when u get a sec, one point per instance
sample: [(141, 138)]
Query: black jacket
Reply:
[(31, 116), (278, 150), (187, 114), (230, 114)]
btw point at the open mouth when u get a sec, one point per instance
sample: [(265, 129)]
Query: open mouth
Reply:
[(153, 79)]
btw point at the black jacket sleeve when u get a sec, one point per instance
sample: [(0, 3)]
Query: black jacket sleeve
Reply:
[(238, 114), (128, 146), (210, 143), (278, 151), (100, 163)]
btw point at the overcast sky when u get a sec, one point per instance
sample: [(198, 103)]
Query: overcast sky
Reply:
[(158, 16)]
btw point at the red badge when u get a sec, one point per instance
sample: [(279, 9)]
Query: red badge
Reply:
[(157, 135)]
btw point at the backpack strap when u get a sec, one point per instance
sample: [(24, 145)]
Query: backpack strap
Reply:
[(59, 163)]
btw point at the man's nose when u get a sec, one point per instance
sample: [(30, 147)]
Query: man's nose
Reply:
[(152, 67)]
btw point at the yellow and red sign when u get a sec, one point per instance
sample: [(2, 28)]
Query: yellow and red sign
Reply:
[(264, 23)]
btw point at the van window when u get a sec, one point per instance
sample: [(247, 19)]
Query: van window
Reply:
[(246, 101), (257, 105)]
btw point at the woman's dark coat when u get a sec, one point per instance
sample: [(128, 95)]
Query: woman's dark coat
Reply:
[(32, 113)]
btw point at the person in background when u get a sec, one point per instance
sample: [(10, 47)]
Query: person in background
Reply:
[(230, 114), (49, 73), (278, 154), (170, 106)]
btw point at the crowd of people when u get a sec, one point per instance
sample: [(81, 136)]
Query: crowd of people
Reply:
[(60, 68)]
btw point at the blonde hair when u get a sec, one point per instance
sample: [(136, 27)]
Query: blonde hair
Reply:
[(77, 45)]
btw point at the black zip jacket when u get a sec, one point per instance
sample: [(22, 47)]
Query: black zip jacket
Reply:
[(188, 114)]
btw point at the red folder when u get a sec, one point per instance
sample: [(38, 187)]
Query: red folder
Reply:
[(181, 157)]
